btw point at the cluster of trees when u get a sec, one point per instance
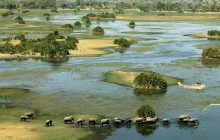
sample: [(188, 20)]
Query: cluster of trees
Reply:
[(7, 13), (123, 42), (214, 33), (48, 46), (98, 31), (101, 15), (211, 53), (47, 15), (180, 6), (77, 24), (150, 81), (146, 6)]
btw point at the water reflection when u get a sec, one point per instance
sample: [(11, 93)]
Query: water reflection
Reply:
[(138, 92), (210, 63), (146, 130)]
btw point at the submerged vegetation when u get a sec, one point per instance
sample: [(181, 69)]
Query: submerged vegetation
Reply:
[(211, 53)]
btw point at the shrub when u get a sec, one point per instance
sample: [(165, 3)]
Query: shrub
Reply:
[(91, 15), (87, 23), (20, 37), (211, 53), (98, 31), (120, 11), (122, 42), (47, 18), (132, 23), (54, 10), (25, 11), (85, 18), (8, 13), (213, 33), (146, 111), (77, 24), (19, 20), (161, 14), (67, 26), (150, 81), (47, 14)]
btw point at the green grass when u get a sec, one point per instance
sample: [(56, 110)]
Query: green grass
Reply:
[(12, 93)]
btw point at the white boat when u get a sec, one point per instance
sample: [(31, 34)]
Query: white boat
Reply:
[(197, 86)]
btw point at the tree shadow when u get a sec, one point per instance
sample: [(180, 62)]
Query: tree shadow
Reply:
[(146, 130), (139, 92), (210, 63)]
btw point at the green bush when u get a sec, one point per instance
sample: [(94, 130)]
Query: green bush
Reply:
[(150, 81), (214, 33), (88, 23), (146, 111), (48, 18), (132, 23), (122, 42), (67, 26), (19, 20), (77, 24), (25, 11), (161, 14), (47, 14), (98, 31), (8, 13), (85, 18), (54, 10), (211, 53)]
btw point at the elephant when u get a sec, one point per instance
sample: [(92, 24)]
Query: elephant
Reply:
[(105, 122), (92, 121), (23, 118), (80, 122), (48, 123), (30, 115), (150, 120), (128, 121), (183, 118), (68, 120), (166, 121), (140, 120)]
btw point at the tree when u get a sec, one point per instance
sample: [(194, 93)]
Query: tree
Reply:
[(19, 20), (146, 111), (150, 81), (122, 42), (98, 31), (77, 24)]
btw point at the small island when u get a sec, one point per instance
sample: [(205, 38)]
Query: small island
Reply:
[(132, 78), (212, 34)]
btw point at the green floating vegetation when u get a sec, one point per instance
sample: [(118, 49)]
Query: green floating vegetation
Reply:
[(13, 93), (211, 53)]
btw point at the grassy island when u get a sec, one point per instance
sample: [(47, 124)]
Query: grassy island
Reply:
[(126, 78)]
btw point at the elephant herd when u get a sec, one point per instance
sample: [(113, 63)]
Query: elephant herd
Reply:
[(183, 119)]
